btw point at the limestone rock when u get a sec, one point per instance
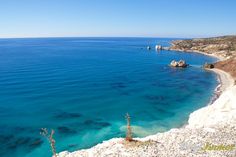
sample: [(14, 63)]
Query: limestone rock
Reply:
[(180, 63)]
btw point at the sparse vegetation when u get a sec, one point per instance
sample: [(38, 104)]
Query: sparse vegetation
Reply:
[(44, 132), (128, 131), (224, 46)]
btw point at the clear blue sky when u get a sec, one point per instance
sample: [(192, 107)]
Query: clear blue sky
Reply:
[(152, 18)]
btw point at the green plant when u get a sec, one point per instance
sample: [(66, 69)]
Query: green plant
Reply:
[(44, 132)]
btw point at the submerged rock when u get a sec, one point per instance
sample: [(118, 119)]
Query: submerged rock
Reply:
[(96, 124), (180, 63), (36, 143), (66, 130), (66, 115)]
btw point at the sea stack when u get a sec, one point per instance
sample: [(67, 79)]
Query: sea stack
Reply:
[(158, 47), (180, 63)]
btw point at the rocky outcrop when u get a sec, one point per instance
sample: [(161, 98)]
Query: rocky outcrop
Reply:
[(208, 66), (158, 47), (180, 63)]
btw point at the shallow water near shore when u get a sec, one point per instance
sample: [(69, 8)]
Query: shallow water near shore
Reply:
[(83, 87)]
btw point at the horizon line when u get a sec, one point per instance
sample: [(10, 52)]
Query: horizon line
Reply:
[(36, 37)]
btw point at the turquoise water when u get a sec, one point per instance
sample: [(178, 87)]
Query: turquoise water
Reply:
[(83, 87)]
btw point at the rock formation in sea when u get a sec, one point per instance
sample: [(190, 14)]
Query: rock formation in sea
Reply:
[(208, 66), (180, 63), (158, 47)]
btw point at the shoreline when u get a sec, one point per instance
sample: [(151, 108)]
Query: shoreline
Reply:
[(224, 78), (199, 125), (225, 81), (220, 58)]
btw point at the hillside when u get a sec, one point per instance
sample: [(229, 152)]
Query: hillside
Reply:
[(222, 46)]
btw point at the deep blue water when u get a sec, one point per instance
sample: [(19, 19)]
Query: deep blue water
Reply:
[(83, 87)]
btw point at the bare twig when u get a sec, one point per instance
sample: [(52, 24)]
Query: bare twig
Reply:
[(129, 131), (44, 132)]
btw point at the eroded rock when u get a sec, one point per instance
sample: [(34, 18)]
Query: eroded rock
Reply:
[(180, 63)]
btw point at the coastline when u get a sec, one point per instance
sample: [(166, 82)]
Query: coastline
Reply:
[(214, 123), (220, 58), (225, 81)]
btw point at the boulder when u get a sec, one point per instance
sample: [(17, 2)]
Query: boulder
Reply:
[(174, 63), (180, 63), (148, 48), (208, 66), (158, 47)]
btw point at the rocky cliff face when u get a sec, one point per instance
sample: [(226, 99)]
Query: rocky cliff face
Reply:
[(221, 46)]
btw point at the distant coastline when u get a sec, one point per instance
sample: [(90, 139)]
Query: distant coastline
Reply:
[(223, 48)]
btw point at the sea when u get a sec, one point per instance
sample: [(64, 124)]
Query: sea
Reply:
[(82, 88)]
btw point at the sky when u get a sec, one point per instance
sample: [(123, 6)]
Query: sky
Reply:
[(117, 18)]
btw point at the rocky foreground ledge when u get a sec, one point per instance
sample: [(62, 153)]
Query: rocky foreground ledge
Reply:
[(210, 132)]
